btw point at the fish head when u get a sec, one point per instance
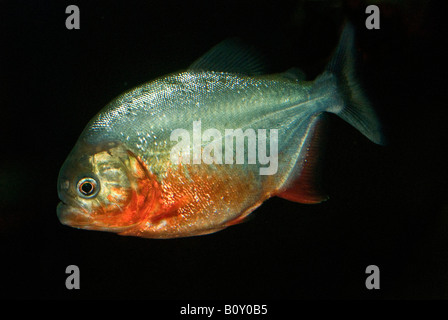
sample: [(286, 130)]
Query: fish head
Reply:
[(103, 188)]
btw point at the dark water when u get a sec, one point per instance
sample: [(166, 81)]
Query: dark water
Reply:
[(388, 205)]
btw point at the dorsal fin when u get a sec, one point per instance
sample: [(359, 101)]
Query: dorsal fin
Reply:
[(306, 187), (231, 56)]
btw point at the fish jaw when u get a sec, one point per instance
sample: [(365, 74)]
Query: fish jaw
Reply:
[(72, 217), (78, 218)]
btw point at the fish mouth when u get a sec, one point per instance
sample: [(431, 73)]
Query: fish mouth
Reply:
[(71, 216), (77, 217)]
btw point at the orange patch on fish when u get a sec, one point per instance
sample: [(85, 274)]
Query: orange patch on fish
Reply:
[(186, 194)]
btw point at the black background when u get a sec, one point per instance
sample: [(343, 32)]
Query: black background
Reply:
[(387, 205)]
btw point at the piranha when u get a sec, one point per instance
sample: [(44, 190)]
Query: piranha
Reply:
[(123, 175)]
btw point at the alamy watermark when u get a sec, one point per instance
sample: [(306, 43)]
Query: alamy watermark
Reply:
[(207, 147)]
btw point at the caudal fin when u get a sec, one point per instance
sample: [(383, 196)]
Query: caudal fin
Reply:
[(356, 108)]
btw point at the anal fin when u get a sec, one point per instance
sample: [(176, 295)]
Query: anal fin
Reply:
[(306, 188)]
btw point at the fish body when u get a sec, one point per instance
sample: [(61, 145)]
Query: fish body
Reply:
[(163, 159)]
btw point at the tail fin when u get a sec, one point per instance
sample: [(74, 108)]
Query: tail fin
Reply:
[(356, 108)]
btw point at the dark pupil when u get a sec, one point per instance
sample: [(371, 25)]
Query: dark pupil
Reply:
[(86, 187)]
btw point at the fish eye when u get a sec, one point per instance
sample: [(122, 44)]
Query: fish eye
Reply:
[(87, 187)]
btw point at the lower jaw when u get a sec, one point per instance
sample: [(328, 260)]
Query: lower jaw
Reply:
[(69, 218)]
